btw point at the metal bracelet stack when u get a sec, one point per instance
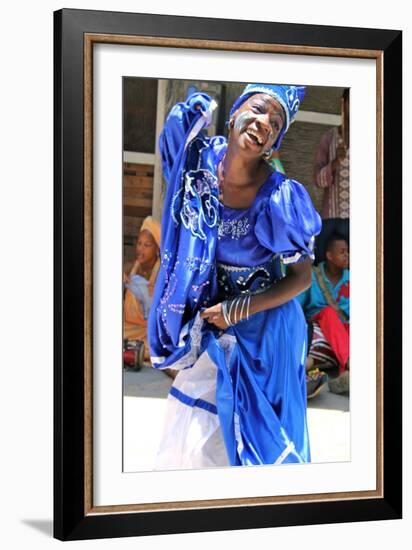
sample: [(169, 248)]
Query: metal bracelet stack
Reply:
[(229, 306)]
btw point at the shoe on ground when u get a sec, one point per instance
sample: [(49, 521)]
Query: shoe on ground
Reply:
[(316, 381), (340, 384)]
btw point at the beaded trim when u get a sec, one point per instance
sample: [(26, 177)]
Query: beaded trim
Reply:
[(226, 267)]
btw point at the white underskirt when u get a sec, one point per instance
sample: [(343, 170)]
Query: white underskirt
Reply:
[(192, 437)]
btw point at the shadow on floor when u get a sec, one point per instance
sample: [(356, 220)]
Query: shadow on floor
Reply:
[(329, 401), (147, 382), (45, 526)]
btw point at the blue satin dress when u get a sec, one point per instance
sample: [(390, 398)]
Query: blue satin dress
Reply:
[(240, 395)]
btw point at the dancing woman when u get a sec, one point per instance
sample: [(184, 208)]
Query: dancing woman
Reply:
[(223, 313)]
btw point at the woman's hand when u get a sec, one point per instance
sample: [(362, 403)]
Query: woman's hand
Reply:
[(214, 316), (298, 279)]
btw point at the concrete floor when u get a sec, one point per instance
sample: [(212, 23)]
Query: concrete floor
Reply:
[(145, 395)]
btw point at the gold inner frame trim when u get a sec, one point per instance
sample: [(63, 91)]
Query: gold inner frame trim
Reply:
[(93, 38)]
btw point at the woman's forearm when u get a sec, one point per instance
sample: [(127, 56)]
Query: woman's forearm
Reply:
[(295, 282)]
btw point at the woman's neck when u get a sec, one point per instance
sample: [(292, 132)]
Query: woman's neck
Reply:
[(239, 171)]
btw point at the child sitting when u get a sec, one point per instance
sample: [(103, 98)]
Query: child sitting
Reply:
[(326, 308)]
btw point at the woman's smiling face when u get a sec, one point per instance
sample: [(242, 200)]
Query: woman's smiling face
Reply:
[(258, 123)]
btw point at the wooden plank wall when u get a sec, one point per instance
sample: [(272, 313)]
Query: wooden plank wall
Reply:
[(137, 204)]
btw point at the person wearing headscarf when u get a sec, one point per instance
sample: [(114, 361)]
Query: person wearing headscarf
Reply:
[(224, 314), (140, 282)]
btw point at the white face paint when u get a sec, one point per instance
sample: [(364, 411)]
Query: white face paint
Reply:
[(242, 121), (261, 118)]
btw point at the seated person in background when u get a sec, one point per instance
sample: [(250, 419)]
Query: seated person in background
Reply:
[(331, 173), (326, 308), (141, 280), (139, 285)]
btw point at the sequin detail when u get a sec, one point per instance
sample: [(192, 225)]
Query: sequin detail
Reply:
[(234, 228), (194, 262), (177, 308)]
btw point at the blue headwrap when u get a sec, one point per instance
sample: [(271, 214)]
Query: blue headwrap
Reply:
[(288, 96)]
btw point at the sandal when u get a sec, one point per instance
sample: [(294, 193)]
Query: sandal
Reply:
[(316, 381)]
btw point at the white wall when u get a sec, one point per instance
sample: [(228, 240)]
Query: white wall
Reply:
[(26, 273)]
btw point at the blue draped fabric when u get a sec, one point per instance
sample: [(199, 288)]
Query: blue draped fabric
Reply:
[(211, 252)]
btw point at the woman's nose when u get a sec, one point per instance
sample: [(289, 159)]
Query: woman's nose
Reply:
[(264, 121)]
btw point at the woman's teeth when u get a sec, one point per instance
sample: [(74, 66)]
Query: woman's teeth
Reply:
[(255, 136)]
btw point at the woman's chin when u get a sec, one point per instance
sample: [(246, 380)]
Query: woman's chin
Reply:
[(251, 143), (251, 147)]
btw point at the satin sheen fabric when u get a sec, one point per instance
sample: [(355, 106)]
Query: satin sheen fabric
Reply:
[(250, 407)]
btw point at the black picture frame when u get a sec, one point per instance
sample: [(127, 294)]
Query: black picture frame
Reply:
[(73, 518)]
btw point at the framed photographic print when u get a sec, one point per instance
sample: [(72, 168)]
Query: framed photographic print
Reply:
[(196, 388)]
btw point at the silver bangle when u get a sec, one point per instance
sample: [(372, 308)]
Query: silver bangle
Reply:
[(236, 309), (244, 299), (248, 308), (235, 302), (224, 312), (232, 302), (232, 310)]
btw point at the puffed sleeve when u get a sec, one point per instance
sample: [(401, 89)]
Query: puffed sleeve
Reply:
[(185, 119), (288, 223)]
